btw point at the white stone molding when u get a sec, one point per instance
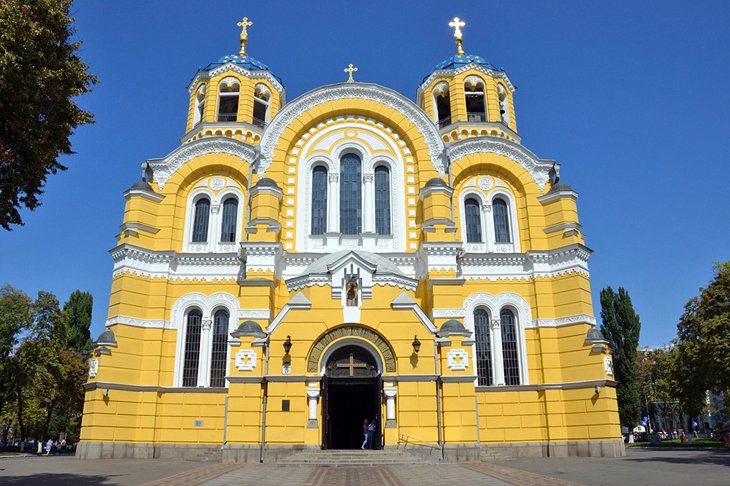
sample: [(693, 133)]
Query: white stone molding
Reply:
[(262, 257), (341, 343), (93, 367), (246, 360), (448, 73), (493, 304), (312, 397), (164, 168), (232, 66), (215, 218), (447, 313), (135, 322), (537, 168), (405, 302), (390, 394), (552, 196), (367, 92), (608, 365), (258, 314), (297, 302), (434, 257), (563, 321), (457, 360), (485, 183)]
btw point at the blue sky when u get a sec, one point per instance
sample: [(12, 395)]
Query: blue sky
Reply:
[(630, 97)]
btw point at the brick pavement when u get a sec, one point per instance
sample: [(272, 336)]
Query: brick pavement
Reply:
[(195, 476)]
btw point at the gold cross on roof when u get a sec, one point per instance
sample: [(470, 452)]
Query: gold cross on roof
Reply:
[(457, 24), (350, 70), (244, 23)]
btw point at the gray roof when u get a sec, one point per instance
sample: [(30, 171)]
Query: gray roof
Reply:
[(144, 185), (248, 328), (452, 326), (436, 182), (381, 264), (107, 338), (266, 182), (560, 186)]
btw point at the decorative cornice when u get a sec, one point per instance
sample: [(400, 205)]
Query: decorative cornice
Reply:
[(563, 321), (462, 69), (571, 385), (231, 66), (368, 92), (552, 196), (144, 323), (537, 168), (152, 196), (165, 167)]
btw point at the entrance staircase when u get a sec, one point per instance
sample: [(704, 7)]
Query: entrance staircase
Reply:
[(349, 458)]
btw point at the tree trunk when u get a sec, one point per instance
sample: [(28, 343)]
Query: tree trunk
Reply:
[(49, 413), (21, 425)]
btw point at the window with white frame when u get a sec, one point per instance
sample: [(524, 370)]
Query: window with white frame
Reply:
[(350, 195), (213, 221), (476, 106), (205, 348), (488, 221), (442, 104), (382, 200), (261, 100), (228, 95), (200, 223), (483, 347), (498, 349), (319, 200), (199, 105)]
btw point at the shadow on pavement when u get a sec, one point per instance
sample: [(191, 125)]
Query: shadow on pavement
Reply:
[(55, 479), (719, 457)]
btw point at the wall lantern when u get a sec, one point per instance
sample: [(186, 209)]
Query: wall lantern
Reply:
[(287, 344), (416, 344)]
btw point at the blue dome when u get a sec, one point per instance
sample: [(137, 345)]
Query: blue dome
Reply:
[(246, 62), (458, 61)]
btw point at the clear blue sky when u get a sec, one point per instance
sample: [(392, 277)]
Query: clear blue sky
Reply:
[(630, 97)]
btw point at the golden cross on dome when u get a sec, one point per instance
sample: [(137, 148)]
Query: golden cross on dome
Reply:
[(244, 23), (349, 69), (457, 24)]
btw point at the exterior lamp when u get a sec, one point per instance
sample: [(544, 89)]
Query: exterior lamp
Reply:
[(416, 344), (103, 351), (287, 345)]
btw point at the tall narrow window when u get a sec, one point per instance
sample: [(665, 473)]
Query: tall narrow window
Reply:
[(442, 102), (503, 104), (199, 105), (200, 221), (228, 225), (501, 221), (382, 200), (261, 98), (484, 349), (476, 107), (350, 195), (219, 349), (472, 208), (509, 348), (228, 100), (319, 200), (191, 360)]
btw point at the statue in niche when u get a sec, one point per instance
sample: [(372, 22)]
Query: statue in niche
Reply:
[(351, 295)]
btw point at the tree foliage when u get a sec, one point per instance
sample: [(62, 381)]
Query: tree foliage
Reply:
[(40, 74), (703, 343), (621, 327), (77, 319), (15, 316)]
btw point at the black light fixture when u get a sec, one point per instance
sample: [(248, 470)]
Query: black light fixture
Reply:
[(416, 344), (287, 344)]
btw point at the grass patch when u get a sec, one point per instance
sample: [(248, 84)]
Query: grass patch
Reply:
[(9, 453), (677, 443)]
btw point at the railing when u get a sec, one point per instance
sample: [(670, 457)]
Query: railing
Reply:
[(405, 439), (258, 122), (476, 117), (227, 117), (444, 122)]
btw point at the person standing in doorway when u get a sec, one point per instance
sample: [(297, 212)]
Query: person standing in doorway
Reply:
[(365, 434), (371, 433)]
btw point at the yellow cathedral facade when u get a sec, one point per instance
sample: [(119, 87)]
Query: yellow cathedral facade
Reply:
[(296, 267)]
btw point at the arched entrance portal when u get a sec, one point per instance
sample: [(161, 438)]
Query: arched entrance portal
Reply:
[(351, 393)]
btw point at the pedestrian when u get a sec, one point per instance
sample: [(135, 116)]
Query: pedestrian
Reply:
[(371, 433), (365, 434), (49, 446), (725, 434)]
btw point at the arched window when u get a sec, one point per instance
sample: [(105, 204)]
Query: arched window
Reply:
[(382, 200), (473, 218), (319, 200), (228, 92), (503, 104), (350, 195), (501, 221), (442, 103), (200, 221), (219, 349), (484, 347), (261, 98), (475, 103), (191, 361), (509, 348), (199, 105), (228, 224)]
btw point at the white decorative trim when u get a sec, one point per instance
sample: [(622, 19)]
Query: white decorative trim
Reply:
[(537, 168), (260, 314), (552, 196), (232, 66), (93, 367), (608, 365), (457, 360), (368, 92), (246, 360), (456, 71), (165, 167), (152, 196), (212, 243), (448, 313), (563, 321), (135, 322)]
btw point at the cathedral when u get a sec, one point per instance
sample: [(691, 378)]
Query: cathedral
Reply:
[(295, 268)]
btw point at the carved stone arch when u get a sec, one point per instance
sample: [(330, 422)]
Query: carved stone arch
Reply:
[(351, 332), (367, 92), (165, 167)]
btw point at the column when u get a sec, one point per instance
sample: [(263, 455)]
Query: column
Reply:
[(312, 397), (214, 227), (204, 361), (487, 227), (390, 407), (368, 210), (498, 363), (333, 204)]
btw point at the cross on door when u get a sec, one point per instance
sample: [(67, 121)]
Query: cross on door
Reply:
[(352, 365)]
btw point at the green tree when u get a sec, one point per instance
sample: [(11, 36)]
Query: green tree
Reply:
[(16, 315), (656, 385), (621, 327), (40, 74), (77, 318), (703, 344)]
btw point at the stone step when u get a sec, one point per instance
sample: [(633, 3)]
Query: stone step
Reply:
[(351, 458)]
